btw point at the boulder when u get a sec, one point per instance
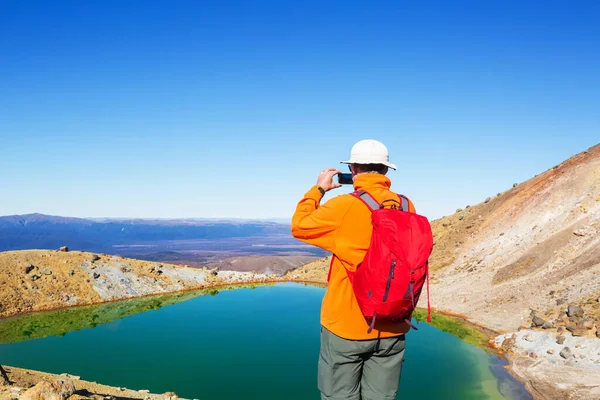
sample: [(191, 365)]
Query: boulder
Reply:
[(29, 268), (96, 275), (487, 200), (509, 343), (35, 277), (577, 321), (548, 325), (574, 311), (566, 353), (95, 257), (60, 389), (571, 326), (45, 271), (579, 332), (589, 324), (64, 249), (537, 321), (551, 351), (561, 339)]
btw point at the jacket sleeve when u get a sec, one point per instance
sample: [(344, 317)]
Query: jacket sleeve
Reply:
[(317, 224)]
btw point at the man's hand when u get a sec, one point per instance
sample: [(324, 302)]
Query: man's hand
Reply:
[(325, 180)]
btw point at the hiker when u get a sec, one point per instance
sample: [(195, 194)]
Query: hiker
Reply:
[(359, 359)]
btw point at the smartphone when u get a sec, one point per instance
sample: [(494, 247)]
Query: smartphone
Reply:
[(345, 179)]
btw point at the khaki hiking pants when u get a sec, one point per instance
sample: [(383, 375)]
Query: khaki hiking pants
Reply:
[(359, 369)]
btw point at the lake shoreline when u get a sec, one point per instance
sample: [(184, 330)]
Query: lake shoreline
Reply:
[(207, 292), (148, 295), (457, 320), (181, 279)]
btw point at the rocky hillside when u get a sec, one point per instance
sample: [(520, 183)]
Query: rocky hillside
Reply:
[(534, 247), (36, 280), (315, 271)]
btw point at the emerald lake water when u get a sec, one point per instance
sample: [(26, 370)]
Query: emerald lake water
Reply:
[(247, 343)]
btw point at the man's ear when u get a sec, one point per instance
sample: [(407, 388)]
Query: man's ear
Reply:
[(385, 171)]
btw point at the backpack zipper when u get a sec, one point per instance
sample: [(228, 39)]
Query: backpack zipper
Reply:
[(411, 287), (389, 281)]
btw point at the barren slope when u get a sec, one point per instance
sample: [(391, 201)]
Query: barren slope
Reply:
[(531, 247), (315, 271), (36, 280)]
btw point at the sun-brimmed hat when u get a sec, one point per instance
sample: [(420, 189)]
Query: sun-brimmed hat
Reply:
[(370, 152)]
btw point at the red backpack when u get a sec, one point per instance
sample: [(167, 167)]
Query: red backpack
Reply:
[(388, 283)]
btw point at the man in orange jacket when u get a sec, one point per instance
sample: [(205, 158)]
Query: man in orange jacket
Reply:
[(353, 364)]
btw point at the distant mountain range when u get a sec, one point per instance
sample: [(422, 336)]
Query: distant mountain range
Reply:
[(41, 231)]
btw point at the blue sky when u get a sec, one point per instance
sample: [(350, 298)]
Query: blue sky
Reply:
[(231, 108)]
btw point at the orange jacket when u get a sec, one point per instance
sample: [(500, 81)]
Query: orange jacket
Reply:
[(343, 226)]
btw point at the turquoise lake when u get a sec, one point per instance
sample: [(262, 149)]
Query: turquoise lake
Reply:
[(247, 343)]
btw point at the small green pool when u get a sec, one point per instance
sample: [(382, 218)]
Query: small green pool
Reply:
[(249, 343)]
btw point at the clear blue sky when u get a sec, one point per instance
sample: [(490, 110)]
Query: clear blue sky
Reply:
[(231, 108)]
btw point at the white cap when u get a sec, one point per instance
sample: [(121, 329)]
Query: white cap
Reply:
[(370, 152)]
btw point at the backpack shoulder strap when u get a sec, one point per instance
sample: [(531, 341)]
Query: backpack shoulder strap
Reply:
[(366, 198), (404, 202), (372, 204)]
